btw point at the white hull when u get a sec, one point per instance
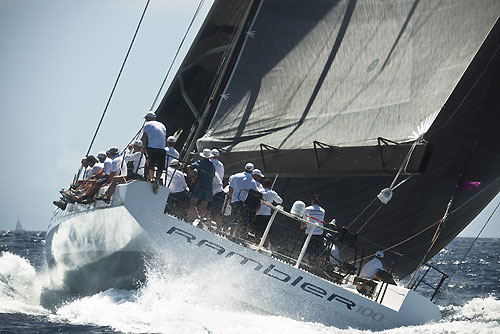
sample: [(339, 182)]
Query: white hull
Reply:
[(250, 277)]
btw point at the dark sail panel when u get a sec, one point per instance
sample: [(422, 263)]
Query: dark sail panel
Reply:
[(194, 82), (347, 72)]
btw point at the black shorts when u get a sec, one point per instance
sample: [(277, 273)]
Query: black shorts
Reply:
[(156, 157), (316, 246), (217, 203), (241, 216), (260, 224)]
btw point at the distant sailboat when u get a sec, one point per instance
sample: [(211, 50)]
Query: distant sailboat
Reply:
[(19, 228)]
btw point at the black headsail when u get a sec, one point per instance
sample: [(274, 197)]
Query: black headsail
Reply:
[(333, 95), (193, 93)]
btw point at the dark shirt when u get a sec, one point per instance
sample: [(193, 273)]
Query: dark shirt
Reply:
[(206, 173)]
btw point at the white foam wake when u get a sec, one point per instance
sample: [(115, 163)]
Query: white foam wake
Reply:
[(20, 286), (174, 302), (179, 303)]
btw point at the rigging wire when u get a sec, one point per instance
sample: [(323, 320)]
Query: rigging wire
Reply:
[(118, 77), (436, 235), (200, 4), (468, 250), (393, 185)]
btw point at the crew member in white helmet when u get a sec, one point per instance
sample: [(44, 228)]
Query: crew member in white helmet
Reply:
[(371, 267)]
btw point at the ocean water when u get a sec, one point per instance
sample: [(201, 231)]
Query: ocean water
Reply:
[(167, 303)]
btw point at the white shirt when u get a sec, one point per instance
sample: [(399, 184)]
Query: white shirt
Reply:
[(371, 267), (96, 168), (219, 168), (107, 166), (156, 133), (139, 161), (116, 166), (335, 255), (171, 154), (217, 185), (317, 212), (178, 183), (86, 173), (270, 196), (241, 183)]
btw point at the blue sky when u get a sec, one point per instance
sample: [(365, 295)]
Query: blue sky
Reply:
[(58, 62)]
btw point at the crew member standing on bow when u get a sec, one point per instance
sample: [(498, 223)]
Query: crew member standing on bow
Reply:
[(314, 214), (153, 139)]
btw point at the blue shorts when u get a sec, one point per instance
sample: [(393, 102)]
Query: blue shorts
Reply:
[(204, 195)]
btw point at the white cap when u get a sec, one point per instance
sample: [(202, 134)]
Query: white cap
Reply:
[(249, 167), (150, 115), (215, 152), (137, 143), (171, 139), (257, 172), (101, 155), (379, 254), (206, 153), (174, 162)]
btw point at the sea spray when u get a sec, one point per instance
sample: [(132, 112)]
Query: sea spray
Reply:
[(20, 286)]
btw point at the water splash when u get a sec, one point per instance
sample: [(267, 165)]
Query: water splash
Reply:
[(20, 286)]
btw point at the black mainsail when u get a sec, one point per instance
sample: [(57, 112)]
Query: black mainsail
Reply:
[(334, 95)]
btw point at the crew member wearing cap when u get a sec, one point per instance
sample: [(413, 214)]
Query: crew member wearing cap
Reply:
[(203, 188), (85, 193), (257, 176), (69, 196), (153, 139), (239, 185), (170, 151), (117, 175), (135, 161), (178, 197), (314, 214), (264, 213), (371, 267), (219, 166)]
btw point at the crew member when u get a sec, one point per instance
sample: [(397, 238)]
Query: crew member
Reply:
[(203, 188), (371, 267), (178, 197), (239, 186), (314, 214), (264, 213), (153, 139)]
